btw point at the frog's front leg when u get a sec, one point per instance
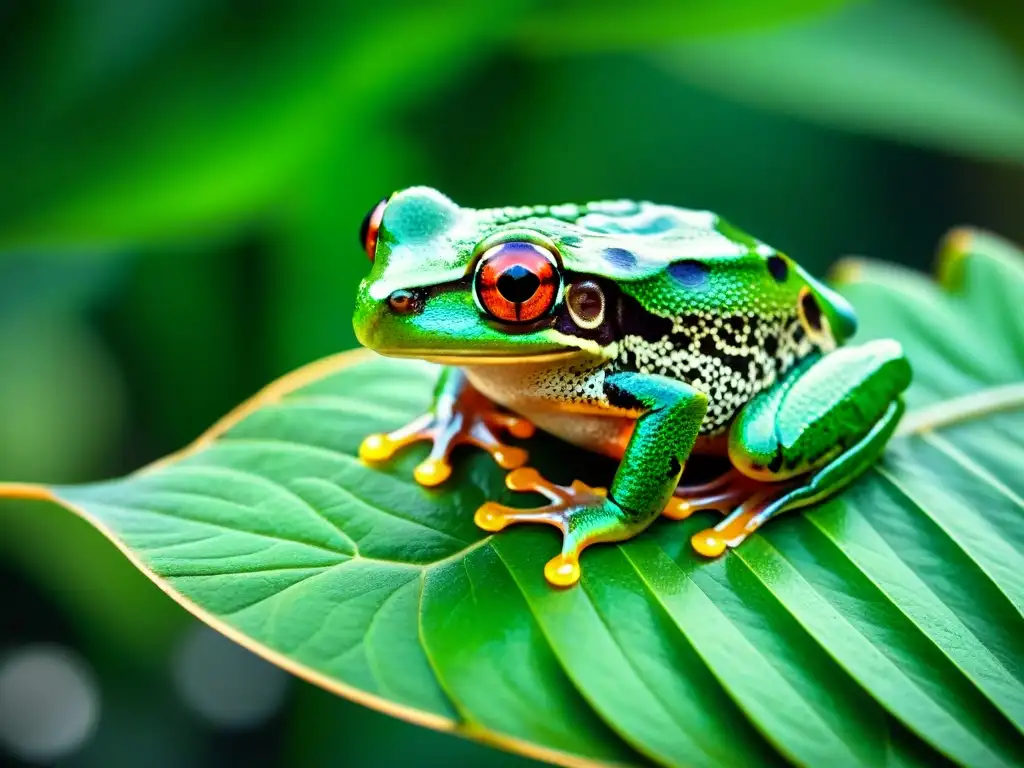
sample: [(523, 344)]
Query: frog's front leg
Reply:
[(459, 415), (669, 418), (811, 434)]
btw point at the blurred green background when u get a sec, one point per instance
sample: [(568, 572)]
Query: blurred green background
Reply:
[(181, 186)]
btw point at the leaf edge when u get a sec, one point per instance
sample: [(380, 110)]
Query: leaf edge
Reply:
[(274, 391)]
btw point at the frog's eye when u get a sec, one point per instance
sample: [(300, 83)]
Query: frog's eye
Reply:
[(370, 227), (516, 282)]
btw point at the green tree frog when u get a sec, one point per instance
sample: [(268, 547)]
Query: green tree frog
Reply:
[(640, 331)]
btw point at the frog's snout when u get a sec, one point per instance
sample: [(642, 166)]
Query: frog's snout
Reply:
[(371, 318), (366, 319)]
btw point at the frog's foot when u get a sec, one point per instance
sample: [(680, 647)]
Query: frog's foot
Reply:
[(744, 502), (583, 514), (760, 502), (722, 494), (470, 419), (855, 393)]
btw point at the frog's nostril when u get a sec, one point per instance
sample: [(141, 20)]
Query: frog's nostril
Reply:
[(518, 284)]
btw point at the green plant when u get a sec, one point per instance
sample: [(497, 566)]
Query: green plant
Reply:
[(884, 626)]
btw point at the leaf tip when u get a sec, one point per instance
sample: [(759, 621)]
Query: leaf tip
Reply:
[(846, 270), (26, 492), (953, 249)]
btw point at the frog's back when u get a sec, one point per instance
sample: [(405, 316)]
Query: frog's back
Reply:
[(625, 239), (700, 322), (698, 300)]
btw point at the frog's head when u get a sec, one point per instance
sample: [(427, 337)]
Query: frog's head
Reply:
[(449, 282), (455, 284)]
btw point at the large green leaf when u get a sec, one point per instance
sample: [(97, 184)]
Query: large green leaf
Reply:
[(884, 627), (206, 118), (126, 127), (913, 70), (558, 26)]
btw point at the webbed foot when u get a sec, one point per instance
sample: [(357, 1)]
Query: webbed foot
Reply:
[(583, 514), (745, 503), (761, 502), (466, 419), (722, 494)]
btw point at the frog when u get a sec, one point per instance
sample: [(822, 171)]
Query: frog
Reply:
[(642, 332)]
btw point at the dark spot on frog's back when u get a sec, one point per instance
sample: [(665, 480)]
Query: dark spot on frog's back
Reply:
[(620, 257), (689, 273), (778, 268), (709, 345), (656, 226), (811, 310)]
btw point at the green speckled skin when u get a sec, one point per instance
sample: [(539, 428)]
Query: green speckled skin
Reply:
[(707, 339), (664, 436)]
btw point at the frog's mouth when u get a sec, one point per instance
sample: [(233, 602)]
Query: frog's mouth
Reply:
[(447, 327), (463, 358)]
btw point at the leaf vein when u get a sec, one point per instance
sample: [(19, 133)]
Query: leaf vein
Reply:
[(270, 483), (957, 540)]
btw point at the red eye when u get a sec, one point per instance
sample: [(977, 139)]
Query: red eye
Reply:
[(370, 227), (517, 282)]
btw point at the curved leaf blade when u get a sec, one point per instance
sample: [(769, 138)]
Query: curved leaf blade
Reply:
[(558, 27), (952, 83), (882, 628)]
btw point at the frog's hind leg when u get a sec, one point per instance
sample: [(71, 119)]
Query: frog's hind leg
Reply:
[(811, 435), (775, 498)]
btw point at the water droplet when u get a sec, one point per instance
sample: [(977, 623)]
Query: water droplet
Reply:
[(225, 683), (49, 702)]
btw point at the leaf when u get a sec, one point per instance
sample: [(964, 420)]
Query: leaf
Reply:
[(217, 118), (885, 627), (572, 25), (950, 83)]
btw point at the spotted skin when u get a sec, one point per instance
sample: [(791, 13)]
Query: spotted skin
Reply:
[(731, 358), (682, 334), (619, 258)]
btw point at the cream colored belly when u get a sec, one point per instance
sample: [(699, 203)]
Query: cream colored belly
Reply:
[(568, 401), (602, 433), (565, 400)]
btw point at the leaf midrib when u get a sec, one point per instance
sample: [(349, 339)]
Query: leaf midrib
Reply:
[(349, 558), (956, 410)]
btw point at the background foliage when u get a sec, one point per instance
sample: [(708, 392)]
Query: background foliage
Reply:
[(182, 181)]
